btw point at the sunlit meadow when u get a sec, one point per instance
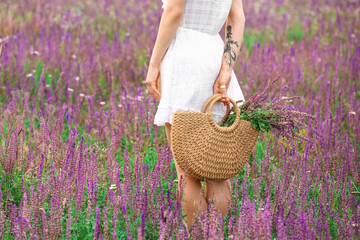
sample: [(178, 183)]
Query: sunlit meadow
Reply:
[(80, 156)]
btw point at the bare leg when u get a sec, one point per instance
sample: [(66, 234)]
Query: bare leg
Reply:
[(195, 201), (220, 193)]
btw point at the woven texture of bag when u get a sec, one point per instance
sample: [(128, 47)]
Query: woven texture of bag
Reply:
[(207, 151)]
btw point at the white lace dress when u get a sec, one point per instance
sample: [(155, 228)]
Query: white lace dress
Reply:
[(193, 60)]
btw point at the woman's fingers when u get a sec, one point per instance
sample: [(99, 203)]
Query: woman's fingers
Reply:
[(222, 91), (155, 87), (223, 94), (153, 90), (156, 93), (225, 100), (152, 83), (223, 78)]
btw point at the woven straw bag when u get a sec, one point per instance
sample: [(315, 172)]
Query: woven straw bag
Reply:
[(207, 151)]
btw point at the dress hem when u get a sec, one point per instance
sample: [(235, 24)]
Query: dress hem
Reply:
[(165, 114)]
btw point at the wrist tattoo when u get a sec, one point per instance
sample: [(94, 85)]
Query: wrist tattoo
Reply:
[(229, 51)]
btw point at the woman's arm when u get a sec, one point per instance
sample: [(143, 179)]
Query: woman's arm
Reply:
[(169, 23), (233, 38)]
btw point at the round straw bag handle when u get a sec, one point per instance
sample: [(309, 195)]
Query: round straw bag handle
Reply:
[(205, 150), (237, 116), (206, 104)]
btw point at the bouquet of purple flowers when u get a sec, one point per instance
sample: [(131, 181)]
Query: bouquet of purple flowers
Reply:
[(275, 115)]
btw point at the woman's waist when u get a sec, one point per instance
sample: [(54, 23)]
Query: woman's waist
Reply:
[(190, 40), (206, 32)]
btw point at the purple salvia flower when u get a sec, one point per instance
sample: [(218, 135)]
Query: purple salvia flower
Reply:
[(267, 228), (212, 222), (204, 221), (18, 229), (71, 158), (97, 230), (44, 224), (2, 214), (45, 134), (144, 212), (303, 229), (41, 167), (12, 153), (280, 228), (68, 224), (118, 185), (56, 134), (26, 211), (105, 221), (138, 187), (124, 209), (114, 223), (141, 230), (355, 220), (162, 229)]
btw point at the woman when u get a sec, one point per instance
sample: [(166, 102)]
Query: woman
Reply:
[(195, 64)]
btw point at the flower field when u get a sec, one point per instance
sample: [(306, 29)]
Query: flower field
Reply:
[(80, 157)]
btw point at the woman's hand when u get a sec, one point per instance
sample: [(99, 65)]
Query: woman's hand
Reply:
[(152, 82), (223, 78)]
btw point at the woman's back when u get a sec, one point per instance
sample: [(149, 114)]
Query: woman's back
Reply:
[(193, 61), (207, 16)]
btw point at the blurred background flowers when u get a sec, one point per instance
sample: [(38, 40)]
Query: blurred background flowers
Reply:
[(80, 157)]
